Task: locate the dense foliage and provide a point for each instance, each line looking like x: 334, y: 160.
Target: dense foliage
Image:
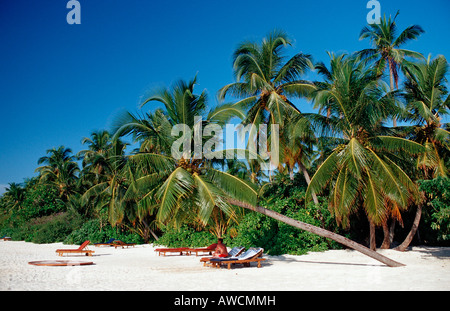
x: 437, y: 210
x: 341, y: 168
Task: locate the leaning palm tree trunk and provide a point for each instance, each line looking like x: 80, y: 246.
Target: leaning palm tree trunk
x: 402, y: 247
x: 308, y: 181
x: 319, y: 231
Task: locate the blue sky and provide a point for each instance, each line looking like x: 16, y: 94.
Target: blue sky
x: 60, y: 82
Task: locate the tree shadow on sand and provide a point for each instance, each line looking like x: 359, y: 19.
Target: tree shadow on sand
x: 282, y: 258
x: 437, y: 252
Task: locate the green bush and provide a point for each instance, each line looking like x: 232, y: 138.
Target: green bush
x: 55, y: 228
x: 46, y: 229
x: 94, y: 232
x: 436, y: 212
x: 41, y: 200
x: 185, y: 236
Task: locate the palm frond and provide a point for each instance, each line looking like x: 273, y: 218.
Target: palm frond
x: 233, y: 186
x: 179, y: 185
x: 209, y: 197
x: 324, y: 174
x: 410, y: 33
x: 396, y: 144
x: 157, y: 162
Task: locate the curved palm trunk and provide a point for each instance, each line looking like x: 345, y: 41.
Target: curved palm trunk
x: 150, y: 230
x: 308, y: 181
x: 402, y: 247
x: 291, y: 173
x: 373, y: 243
x: 391, y: 78
x: 319, y: 231
x: 386, y: 241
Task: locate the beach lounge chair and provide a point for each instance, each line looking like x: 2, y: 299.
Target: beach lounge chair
x: 234, y: 252
x: 81, y: 250
x: 5, y: 238
x: 172, y: 250
x: 251, y: 255
x: 118, y: 243
x: 107, y: 243
x: 186, y: 250
x: 203, y: 250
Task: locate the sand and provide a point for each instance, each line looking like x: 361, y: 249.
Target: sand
x: 140, y: 268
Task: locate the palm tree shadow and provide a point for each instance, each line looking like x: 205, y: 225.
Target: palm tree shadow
x: 292, y: 260
x: 437, y: 252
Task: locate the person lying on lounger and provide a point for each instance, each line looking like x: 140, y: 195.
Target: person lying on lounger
x: 221, y: 249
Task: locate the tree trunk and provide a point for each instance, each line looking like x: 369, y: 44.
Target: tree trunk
x: 373, y: 242
x: 308, y: 181
x: 391, y: 78
x: 291, y: 173
x: 319, y: 231
x: 402, y: 247
x: 150, y: 230
x: 154, y: 234
x: 386, y: 241
x: 392, y: 231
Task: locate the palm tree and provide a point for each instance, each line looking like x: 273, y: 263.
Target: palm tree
x: 363, y: 170
x: 15, y: 195
x: 174, y: 190
x: 103, y: 175
x: 98, y: 146
x: 267, y: 84
x: 425, y: 93
x: 268, y: 81
x: 60, y: 170
x: 386, y: 47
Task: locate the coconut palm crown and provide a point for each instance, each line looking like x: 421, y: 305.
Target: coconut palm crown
x: 362, y: 170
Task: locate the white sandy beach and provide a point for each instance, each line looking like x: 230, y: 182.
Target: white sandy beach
x: 140, y: 268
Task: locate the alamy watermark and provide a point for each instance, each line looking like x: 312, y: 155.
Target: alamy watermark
x: 242, y: 142
x: 374, y: 15
x: 74, y: 15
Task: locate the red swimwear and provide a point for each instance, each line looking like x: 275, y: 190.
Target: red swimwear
x: 222, y: 255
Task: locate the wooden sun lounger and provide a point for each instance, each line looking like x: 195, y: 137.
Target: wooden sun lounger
x: 107, y: 243
x: 172, y: 250
x: 5, y: 238
x: 118, y: 243
x: 252, y: 255
x: 82, y: 250
x: 186, y: 250
x: 234, y: 252
x: 209, y: 250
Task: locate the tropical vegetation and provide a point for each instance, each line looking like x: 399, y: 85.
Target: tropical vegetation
x: 344, y: 176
